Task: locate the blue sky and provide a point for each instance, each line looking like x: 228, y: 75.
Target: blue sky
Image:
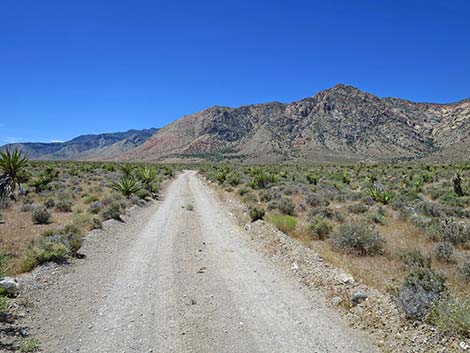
x: 74, y: 67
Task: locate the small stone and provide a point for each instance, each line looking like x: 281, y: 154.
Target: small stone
x: 10, y: 285
x: 336, y: 300
x: 463, y: 346
x: 358, y: 297
x: 345, y: 278
x: 294, y: 266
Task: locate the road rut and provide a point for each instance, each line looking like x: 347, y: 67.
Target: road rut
x: 181, y: 280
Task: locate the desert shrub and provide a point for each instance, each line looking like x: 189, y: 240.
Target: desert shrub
x: 358, y: 238
x: 90, y: 198
x: 454, y: 232
x: 284, y: 223
x: 27, y: 207
x: 29, y: 345
x: 358, y: 208
x: 243, y: 191
x: 261, y: 180
x: 95, y: 223
x: 43, y: 250
x: 433, y: 230
x: 430, y: 209
x: 40, y: 215
x: 377, y: 218
x: 421, y: 288
x: 286, y: 206
x: 233, y: 178
x: 413, y: 259
x: 320, y: 227
x: 250, y: 197
x: 325, y: 212
x: 312, y: 178
x: 64, y: 205
x: 49, y: 203
x: 464, y: 270
x: 95, y: 207
x: 112, y: 211
x: 266, y: 196
x: 314, y: 200
x: 443, y: 251
x: 256, y: 213
x: 451, y: 314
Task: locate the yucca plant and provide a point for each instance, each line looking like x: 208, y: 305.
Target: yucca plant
x: 12, y: 171
x: 380, y: 195
x: 148, y: 177
x: 127, y: 186
x: 147, y: 174
x: 127, y: 169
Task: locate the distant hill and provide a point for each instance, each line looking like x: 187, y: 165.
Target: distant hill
x: 86, y: 147
x: 342, y: 123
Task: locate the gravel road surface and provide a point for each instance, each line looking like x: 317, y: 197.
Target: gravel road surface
x: 177, y: 279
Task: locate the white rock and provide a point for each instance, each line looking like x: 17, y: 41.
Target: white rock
x: 345, y: 278
x: 10, y: 285
x: 463, y: 346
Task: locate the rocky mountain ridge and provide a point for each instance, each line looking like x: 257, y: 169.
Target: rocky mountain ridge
x: 342, y: 123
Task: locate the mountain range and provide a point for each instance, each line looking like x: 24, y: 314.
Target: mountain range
x: 86, y: 147
x: 340, y: 124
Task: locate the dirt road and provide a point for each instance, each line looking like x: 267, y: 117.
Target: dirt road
x: 180, y: 280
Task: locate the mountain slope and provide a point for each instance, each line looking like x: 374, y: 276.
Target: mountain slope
x: 86, y: 147
x: 337, y: 124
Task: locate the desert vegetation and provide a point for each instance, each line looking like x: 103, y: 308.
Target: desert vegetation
x: 401, y: 228
x: 47, y: 207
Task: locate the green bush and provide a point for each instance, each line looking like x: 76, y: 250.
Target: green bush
x: 43, y: 251
x: 90, y: 198
x: 414, y: 259
x: 376, y: 217
x: 286, y: 206
x: 112, y: 211
x: 49, y: 203
x: 320, y: 227
x: 261, y: 180
x: 358, y: 238
x: 443, y: 251
x: 421, y: 288
x: 284, y: 223
x: 64, y: 205
x: 358, y: 208
x: 451, y: 314
x: 41, y: 215
x: 464, y: 270
x: 256, y: 213
x: 456, y: 233
x: 233, y: 178
x: 53, y: 245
